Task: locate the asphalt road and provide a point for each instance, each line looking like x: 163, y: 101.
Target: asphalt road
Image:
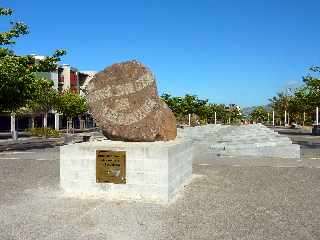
x: 229, y: 198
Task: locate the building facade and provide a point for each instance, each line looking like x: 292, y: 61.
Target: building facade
x: 64, y: 78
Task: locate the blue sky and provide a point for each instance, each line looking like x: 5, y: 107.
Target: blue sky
x: 227, y: 51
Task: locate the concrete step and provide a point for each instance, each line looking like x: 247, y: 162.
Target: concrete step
x: 251, y: 140
x: 289, y: 151
x: 247, y: 146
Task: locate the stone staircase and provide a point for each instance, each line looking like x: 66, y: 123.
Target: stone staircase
x: 243, y: 140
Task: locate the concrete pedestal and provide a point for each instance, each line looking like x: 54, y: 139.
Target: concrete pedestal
x: 154, y: 171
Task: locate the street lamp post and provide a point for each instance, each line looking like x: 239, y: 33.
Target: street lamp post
x: 285, y: 117
x: 215, y: 117
x: 273, y: 118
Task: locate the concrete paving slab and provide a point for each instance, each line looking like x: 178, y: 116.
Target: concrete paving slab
x: 232, y: 198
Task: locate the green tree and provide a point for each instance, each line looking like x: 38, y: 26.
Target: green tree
x: 18, y: 81
x: 304, y: 110
x: 280, y: 103
x: 16, y: 30
x: 191, y: 104
x: 259, y: 114
x: 72, y: 105
x: 174, y: 103
x: 222, y: 112
x: 302, y: 103
x: 46, y: 98
x: 312, y: 87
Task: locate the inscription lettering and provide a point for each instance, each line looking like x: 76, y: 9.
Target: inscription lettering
x: 119, y: 90
x: 110, y: 166
x: 119, y: 118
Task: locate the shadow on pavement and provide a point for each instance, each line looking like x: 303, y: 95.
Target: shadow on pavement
x: 296, y: 133
x: 29, y: 147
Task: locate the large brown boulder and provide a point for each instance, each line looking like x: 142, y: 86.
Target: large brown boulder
x: 123, y: 99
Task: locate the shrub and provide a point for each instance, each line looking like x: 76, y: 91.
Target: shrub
x: 44, y: 132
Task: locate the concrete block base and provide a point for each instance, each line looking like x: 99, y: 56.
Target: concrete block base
x: 154, y: 171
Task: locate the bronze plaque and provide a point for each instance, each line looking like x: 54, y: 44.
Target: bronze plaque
x: 110, y: 166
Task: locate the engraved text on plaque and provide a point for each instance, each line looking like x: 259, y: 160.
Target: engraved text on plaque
x: 110, y: 166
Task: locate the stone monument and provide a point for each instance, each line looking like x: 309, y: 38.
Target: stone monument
x: 123, y: 99
x: 141, y: 158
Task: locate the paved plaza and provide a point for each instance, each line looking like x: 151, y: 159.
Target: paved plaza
x: 159, y: 120
x: 228, y: 198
